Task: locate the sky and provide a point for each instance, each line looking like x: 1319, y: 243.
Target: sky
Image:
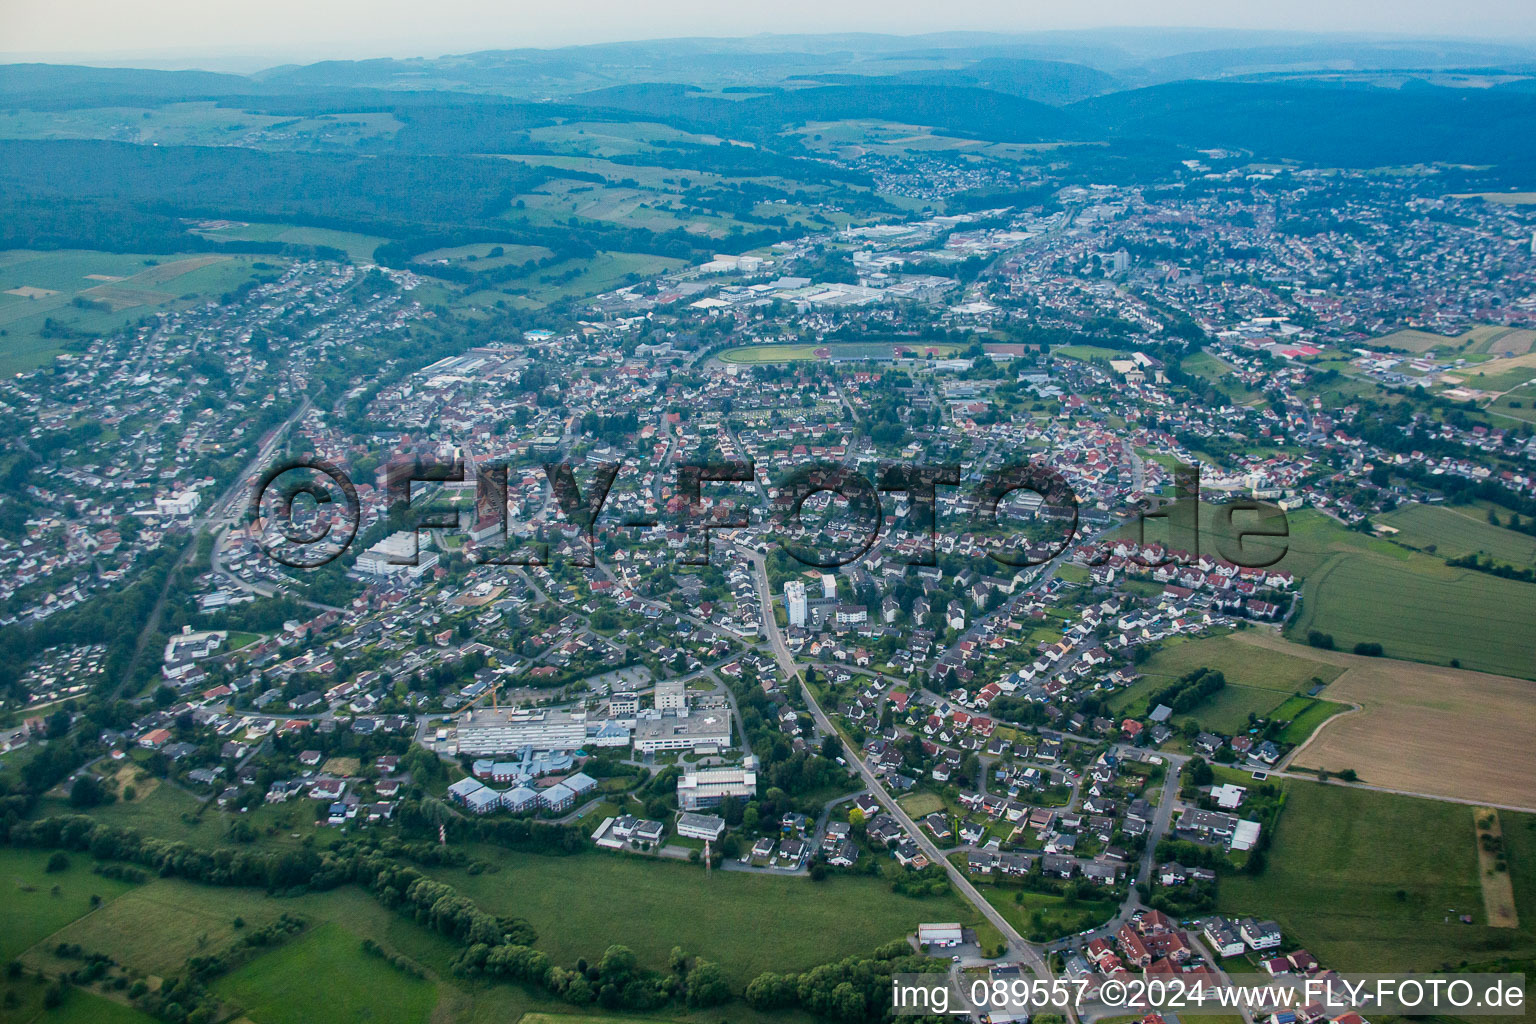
x: 205, y: 33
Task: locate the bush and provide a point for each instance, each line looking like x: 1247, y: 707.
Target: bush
x: 86, y: 792
x: 1369, y: 650
x: 57, y: 862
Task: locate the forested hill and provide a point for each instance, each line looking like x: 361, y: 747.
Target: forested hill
x: 962, y: 110
x: 1326, y: 124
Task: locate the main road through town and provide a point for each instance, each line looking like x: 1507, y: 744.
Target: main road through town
x: 1018, y: 947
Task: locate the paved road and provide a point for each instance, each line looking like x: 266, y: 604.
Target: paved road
x: 1018, y: 947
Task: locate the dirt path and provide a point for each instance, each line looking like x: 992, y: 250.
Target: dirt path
x: 1498, y: 888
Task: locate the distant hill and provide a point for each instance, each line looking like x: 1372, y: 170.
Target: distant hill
x: 1330, y: 125
x: 961, y: 110
x: 1041, y: 81
x: 48, y: 86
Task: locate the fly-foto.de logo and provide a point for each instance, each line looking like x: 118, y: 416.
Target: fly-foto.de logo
x: 309, y: 534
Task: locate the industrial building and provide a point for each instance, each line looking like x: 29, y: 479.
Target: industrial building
x: 707, y: 731
x: 490, y: 731
x: 706, y: 787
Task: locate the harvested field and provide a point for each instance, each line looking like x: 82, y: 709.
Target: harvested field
x: 168, y: 271
x: 1424, y: 729
x: 28, y: 292
x: 125, y: 298
x: 1493, y: 870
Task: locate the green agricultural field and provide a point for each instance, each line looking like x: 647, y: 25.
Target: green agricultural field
x: 1361, y: 588
x: 358, y: 246
x: 39, y: 316
x: 32, y: 911
x: 324, y: 977
x: 1421, y: 610
x: 1454, y: 532
x: 1376, y: 882
x: 748, y: 923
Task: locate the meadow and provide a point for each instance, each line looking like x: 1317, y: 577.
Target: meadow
x: 1375, y: 882
x: 325, y: 977
x: 1042, y: 917
x: 1486, y: 339
x: 32, y: 911
x: 746, y: 922
x: 356, y: 245
x: 326, y: 967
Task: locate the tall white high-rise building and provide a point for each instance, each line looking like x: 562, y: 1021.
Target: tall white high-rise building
x: 828, y: 586
x: 794, y: 598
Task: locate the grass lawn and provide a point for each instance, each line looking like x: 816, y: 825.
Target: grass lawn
x: 748, y: 923
x: 324, y: 977
x: 1258, y: 680
x: 1305, y: 714
x: 1375, y: 882
x: 920, y: 804
x: 238, y: 640
x: 1044, y: 916
x: 32, y: 912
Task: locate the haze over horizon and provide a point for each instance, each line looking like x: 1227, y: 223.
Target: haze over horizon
x: 178, y: 33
